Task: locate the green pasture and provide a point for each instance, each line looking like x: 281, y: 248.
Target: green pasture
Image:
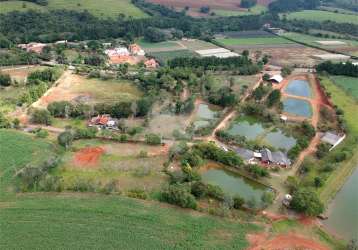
x: 348, y: 84
x: 320, y: 16
x: 312, y: 40
x: 256, y: 10
x: 253, y: 41
x: 103, y: 9
x: 165, y: 56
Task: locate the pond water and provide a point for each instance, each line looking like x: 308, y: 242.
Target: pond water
x: 297, y: 107
x: 299, y: 88
x: 205, y: 114
x: 343, y: 211
x: 233, y: 184
x: 251, y: 130
x: 279, y: 140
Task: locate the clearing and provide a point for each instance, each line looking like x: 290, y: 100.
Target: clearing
x: 72, y: 87
x: 102, y: 9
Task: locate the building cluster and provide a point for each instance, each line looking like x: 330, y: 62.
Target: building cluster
x: 264, y: 157
x: 103, y: 122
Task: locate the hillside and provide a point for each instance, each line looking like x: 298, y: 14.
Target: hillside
x: 104, y: 9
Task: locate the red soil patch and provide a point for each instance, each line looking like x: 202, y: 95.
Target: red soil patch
x: 307, y: 221
x: 284, y: 242
x: 88, y: 157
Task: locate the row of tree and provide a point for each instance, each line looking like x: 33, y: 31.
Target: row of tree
x: 346, y: 68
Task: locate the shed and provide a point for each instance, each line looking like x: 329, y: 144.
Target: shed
x: 279, y: 158
x: 246, y: 154
x: 266, y: 156
x: 276, y: 78
x: 333, y: 139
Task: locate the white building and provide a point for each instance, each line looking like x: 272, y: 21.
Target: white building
x: 119, y: 51
x: 333, y: 139
x: 276, y: 78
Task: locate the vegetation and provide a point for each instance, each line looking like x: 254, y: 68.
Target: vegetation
x: 347, y: 69
x: 321, y: 16
x: 293, y: 5
x: 306, y: 201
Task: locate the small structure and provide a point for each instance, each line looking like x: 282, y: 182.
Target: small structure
x: 219, y: 53
x: 287, y: 200
x: 247, y: 155
x: 283, y: 118
x: 61, y: 42
x: 103, y: 122
x: 33, y: 47
x: 333, y: 139
x: 274, y: 158
x: 276, y: 79
x: 331, y: 42
x: 266, y: 156
x: 151, y: 64
x: 136, y: 50
x: 106, y: 45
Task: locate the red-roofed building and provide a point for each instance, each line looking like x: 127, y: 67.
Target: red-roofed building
x: 136, y: 50
x: 33, y: 47
x: 151, y: 64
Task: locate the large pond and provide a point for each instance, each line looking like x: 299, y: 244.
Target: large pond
x: 244, y: 127
x: 204, y: 115
x: 232, y: 183
x: 299, y: 88
x: 297, y: 107
x: 279, y: 140
x: 343, y: 211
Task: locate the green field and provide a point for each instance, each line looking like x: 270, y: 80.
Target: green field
x: 165, y: 56
x: 18, y: 149
x: 349, y: 84
x: 104, y: 8
x: 253, y: 41
x: 71, y: 221
x: 256, y: 10
x: 320, y: 16
x: 312, y: 40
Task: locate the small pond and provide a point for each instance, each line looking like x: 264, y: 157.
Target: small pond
x: 297, y: 107
x: 232, y: 183
x: 299, y: 88
x: 343, y: 211
x: 205, y: 114
x: 250, y: 129
x: 279, y: 140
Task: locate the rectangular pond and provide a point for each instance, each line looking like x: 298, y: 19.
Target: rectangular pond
x: 232, y: 183
x: 246, y: 127
x: 279, y: 140
x: 343, y: 210
x: 297, y: 107
x: 205, y: 115
x: 298, y: 88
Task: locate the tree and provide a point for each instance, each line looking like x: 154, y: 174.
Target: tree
x: 41, y: 116
x: 266, y: 77
x: 306, y: 201
x: 205, y: 9
x: 274, y: 98
x: 247, y: 3
x: 65, y: 139
x: 4, y: 122
x: 286, y: 71
x: 178, y: 194
x: 5, y: 80
x: 238, y: 202
x: 154, y: 35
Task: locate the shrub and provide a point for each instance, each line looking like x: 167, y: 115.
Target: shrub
x: 41, y: 116
x: 137, y: 193
x: 178, y: 194
x: 85, y: 133
x: 215, y: 192
x: 306, y: 201
x: 110, y: 187
x: 267, y: 198
x: 152, y: 139
x: 5, y: 80
x: 65, y: 139
x: 238, y: 202
x: 199, y: 189
x: 42, y: 133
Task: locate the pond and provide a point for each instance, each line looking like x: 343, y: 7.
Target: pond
x: 248, y: 128
x: 205, y: 114
x: 232, y: 183
x: 279, y: 140
x: 343, y: 211
x: 297, y: 107
x: 299, y: 88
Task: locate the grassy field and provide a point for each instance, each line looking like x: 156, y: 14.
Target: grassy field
x: 253, y: 41
x: 320, y: 16
x: 350, y: 107
x: 312, y: 40
x: 349, y: 84
x: 165, y: 56
x: 72, y: 221
x: 18, y: 149
x: 257, y: 9
x: 105, y: 8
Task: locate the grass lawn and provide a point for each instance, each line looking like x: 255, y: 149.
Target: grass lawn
x: 320, y: 16
x: 159, y: 47
x: 18, y: 149
x: 349, y: 84
x: 70, y: 221
x: 105, y: 8
x: 252, y: 41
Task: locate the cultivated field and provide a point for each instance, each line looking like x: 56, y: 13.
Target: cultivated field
x: 16, y: 151
x: 75, y: 221
x: 318, y: 15
x: 349, y: 47
x: 105, y: 8
x: 220, y: 8
x: 348, y: 84
x: 233, y: 42
x: 73, y: 87
x: 165, y: 56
